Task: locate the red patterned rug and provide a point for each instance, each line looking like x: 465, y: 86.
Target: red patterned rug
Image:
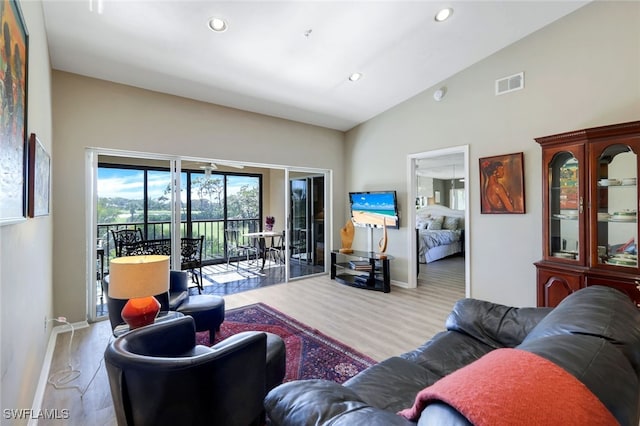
x: 310, y: 354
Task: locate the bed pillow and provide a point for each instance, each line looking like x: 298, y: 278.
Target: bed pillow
x: 422, y: 223
x: 450, y: 223
x: 436, y: 223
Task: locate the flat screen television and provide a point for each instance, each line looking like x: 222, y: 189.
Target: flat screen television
x: 369, y: 209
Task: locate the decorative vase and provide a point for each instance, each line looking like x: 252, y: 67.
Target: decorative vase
x: 268, y: 227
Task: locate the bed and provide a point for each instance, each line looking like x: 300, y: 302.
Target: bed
x: 440, y: 232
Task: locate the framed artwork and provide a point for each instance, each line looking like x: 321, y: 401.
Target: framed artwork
x: 39, y: 178
x: 13, y: 112
x: 502, y: 184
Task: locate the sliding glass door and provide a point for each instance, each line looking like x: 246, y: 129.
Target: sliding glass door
x: 131, y: 200
x: 164, y: 197
x: 306, y: 228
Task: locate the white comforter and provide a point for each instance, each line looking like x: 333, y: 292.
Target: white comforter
x: 429, y: 239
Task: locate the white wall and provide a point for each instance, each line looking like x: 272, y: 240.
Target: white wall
x: 96, y: 113
x: 25, y: 248
x: 581, y: 71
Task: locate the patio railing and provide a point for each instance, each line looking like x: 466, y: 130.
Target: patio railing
x: 213, y: 250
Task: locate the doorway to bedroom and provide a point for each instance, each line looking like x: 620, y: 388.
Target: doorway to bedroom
x: 438, y: 191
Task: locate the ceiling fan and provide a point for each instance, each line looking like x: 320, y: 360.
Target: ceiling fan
x: 213, y: 166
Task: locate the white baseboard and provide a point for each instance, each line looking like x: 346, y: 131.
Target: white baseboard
x: 400, y: 284
x: 46, y: 364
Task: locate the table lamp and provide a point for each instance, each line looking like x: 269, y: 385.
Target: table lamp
x: 139, y: 278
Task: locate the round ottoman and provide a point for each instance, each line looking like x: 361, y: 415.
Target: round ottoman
x: 207, y: 312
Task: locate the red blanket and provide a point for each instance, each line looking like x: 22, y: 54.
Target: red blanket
x: 514, y: 387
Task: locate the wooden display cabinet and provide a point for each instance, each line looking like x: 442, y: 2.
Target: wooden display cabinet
x: 590, y: 204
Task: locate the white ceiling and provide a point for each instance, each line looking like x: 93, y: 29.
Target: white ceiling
x: 264, y: 63
x: 448, y: 166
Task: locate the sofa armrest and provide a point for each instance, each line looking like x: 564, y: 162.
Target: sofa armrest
x: 319, y: 402
x: 493, y: 324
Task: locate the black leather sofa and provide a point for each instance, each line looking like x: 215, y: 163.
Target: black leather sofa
x: 594, y: 335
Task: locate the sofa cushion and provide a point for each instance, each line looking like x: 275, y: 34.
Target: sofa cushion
x: 597, y: 311
x: 493, y: 324
x: 447, y: 351
x: 401, y: 381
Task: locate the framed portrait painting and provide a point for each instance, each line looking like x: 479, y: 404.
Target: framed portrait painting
x: 39, y: 178
x: 502, y: 184
x: 13, y: 112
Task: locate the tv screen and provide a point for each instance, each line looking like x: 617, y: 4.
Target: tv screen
x: 371, y: 208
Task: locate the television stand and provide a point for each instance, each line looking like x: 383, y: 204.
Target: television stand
x: 361, y: 269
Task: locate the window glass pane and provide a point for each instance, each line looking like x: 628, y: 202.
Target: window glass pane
x: 456, y: 199
x: 159, y: 203
x: 243, y: 197
x: 159, y: 196
x: 207, y: 196
x: 120, y: 195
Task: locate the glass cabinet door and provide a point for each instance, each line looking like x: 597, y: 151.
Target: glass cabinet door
x: 566, y: 207
x: 617, y: 201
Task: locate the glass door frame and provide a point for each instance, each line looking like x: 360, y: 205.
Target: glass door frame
x: 175, y: 162
x: 91, y: 176
x: 328, y: 213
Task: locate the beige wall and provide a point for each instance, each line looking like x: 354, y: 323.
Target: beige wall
x: 581, y: 71
x: 25, y: 249
x: 96, y: 113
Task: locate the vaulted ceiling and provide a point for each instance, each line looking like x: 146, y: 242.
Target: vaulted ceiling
x: 288, y: 59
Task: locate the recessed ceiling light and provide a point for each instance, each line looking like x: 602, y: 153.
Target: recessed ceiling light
x: 355, y: 76
x: 444, y: 14
x: 218, y: 25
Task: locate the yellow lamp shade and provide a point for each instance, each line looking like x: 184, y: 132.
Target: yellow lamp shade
x: 138, y: 276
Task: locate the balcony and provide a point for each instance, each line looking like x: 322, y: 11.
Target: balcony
x: 213, y: 250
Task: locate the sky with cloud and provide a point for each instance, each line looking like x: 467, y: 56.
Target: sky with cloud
x: 128, y: 183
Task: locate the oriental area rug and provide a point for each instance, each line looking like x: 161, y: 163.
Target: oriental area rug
x: 310, y: 354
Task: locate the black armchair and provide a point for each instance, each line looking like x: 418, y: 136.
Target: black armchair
x: 159, y: 376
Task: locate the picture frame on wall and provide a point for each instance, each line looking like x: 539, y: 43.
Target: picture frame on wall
x: 14, y: 42
x: 502, y: 184
x: 39, y: 178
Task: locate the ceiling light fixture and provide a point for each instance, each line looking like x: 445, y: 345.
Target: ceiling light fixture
x: 218, y: 25
x: 444, y: 14
x: 355, y: 76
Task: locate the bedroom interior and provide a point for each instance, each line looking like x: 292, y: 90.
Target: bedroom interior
x: 440, y: 192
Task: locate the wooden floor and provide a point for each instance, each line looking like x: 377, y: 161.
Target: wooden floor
x: 377, y: 324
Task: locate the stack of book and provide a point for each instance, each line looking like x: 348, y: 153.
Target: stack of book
x: 360, y: 265
x: 361, y: 279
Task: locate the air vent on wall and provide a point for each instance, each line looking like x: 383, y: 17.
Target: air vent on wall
x: 510, y: 84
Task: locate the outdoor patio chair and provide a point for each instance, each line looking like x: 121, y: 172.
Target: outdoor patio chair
x: 235, y: 248
x: 191, y: 258
x: 125, y: 236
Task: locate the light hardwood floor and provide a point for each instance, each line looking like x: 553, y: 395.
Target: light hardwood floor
x: 377, y: 324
